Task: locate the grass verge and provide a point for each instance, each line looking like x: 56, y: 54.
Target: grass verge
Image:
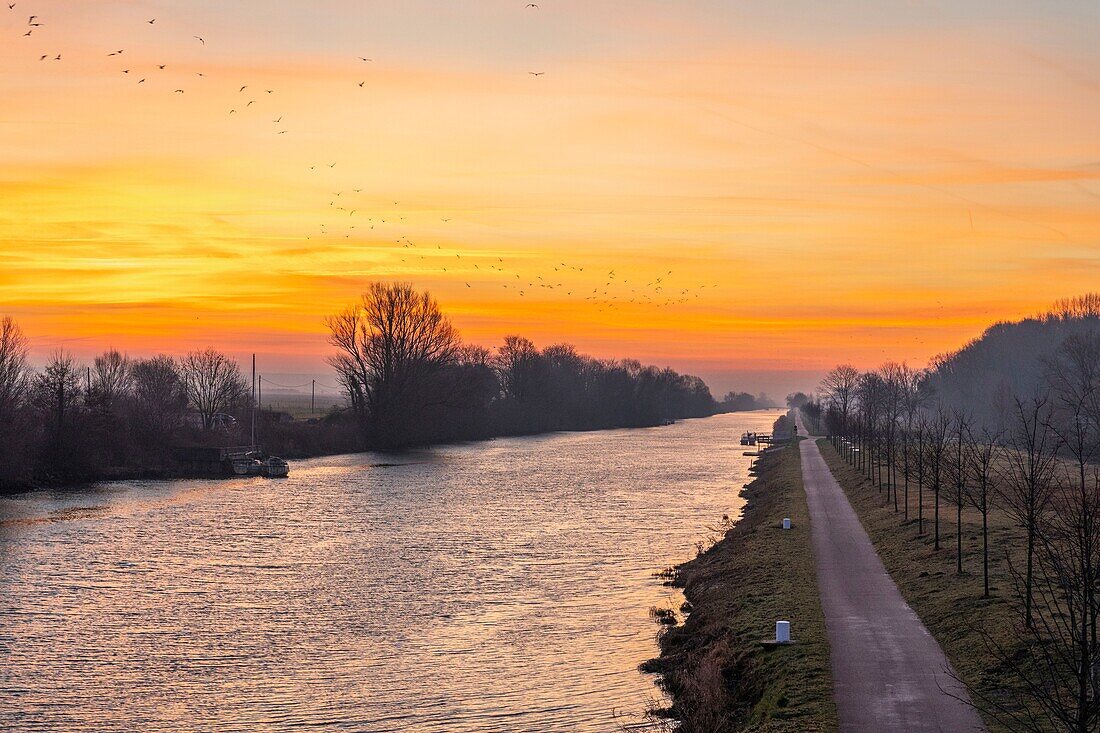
x: 719, y: 675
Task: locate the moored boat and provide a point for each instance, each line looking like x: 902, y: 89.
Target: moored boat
x: 275, y: 467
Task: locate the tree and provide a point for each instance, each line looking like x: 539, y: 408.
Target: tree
x: 913, y: 399
x: 958, y: 471
x: 982, y: 454
x: 111, y: 377
x: 795, y: 400
x: 839, y: 388
x: 56, y: 390
x: 159, y: 401
x: 390, y: 346
x: 937, y: 445
x: 14, y: 375
x: 1058, y: 667
x: 1027, y: 478
x: 213, y: 383
x: 14, y: 383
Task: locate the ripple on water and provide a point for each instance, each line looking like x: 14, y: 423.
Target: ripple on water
x: 500, y: 586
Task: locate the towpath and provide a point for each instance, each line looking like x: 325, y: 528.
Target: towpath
x: 889, y: 673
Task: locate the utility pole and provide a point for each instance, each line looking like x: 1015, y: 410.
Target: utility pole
x: 312, y: 395
x: 253, y: 400
x: 261, y: 393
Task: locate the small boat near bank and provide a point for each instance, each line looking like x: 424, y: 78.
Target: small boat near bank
x: 257, y: 464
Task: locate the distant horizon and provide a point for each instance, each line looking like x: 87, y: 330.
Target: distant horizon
x: 775, y: 384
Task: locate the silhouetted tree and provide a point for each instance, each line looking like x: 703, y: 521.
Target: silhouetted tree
x: 391, y: 345
x: 14, y: 382
x: 159, y: 402
x: 213, y: 383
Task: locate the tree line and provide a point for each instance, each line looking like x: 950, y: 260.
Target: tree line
x: 407, y: 377
x: 1032, y: 454
x: 410, y: 379
x: 114, y: 416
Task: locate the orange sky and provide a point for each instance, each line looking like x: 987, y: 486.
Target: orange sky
x: 824, y: 183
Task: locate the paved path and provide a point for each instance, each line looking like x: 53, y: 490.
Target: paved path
x: 889, y: 673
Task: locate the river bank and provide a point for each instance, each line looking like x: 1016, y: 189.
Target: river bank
x: 334, y: 435
x: 720, y: 677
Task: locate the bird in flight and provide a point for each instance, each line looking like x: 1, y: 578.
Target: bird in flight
x: 116, y: 53
x: 536, y: 73
x: 242, y: 88
x: 150, y: 22
x: 365, y: 59
x: 362, y: 83
x: 11, y: 6
x: 178, y: 91
x: 532, y: 5
x: 200, y: 39
x: 277, y: 121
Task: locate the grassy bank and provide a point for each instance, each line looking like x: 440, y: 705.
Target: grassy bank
x: 720, y: 676
x: 949, y: 604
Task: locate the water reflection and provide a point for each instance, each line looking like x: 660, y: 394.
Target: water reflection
x: 500, y: 586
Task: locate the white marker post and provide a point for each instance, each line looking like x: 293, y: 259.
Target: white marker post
x: 782, y: 632
x: 786, y: 522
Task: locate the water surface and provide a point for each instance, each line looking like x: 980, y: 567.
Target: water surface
x: 498, y: 586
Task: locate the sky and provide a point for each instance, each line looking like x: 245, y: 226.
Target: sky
x: 811, y: 182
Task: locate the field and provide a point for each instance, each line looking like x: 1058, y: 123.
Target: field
x: 298, y: 405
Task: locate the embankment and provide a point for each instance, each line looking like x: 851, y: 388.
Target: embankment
x: 720, y: 676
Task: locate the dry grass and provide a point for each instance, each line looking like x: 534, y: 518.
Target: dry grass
x: 720, y: 676
x: 950, y: 605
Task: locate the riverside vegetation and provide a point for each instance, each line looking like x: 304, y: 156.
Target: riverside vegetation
x: 720, y: 676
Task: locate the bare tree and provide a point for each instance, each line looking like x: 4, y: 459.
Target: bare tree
x: 958, y: 472
x: 1059, y: 667
x: 159, y: 397
x: 937, y: 447
x: 111, y: 376
x: 895, y: 380
x: 213, y: 383
x: 55, y: 390
x: 839, y: 387
x: 983, y: 450
x: 390, y: 345
x: 14, y: 375
x: 913, y: 399
x: 920, y: 457
x: 14, y: 382
x: 1026, y: 480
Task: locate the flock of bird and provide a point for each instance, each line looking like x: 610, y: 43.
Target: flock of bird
x: 606, y: 291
